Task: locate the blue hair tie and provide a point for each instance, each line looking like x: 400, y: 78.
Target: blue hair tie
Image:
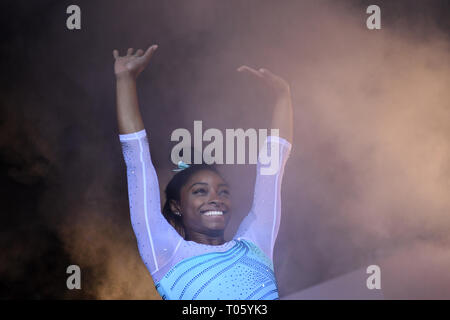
x: 181, y: 166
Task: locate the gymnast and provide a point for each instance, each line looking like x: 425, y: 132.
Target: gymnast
x: 183, y: 244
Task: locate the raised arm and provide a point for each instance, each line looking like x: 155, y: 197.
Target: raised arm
x: 157, y: 239
x: 282, y: 115
x: 262, y: 223
x: 127, y: 69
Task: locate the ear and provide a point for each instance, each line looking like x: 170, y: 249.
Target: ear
x: 174, y: 206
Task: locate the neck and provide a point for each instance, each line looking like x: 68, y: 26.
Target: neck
x: 209, y: 239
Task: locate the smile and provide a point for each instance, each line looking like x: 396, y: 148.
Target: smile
x: 213, y: 213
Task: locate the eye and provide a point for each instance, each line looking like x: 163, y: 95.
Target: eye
x: 225, y: 192
x: 200, y: 191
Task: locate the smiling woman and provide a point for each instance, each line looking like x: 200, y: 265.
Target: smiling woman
x: 186, y: 193
x: 183, y: 245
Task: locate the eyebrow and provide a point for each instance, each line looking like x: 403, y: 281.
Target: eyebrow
x: 204, y: 183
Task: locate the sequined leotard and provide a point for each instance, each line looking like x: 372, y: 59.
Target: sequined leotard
x: 239, y: 269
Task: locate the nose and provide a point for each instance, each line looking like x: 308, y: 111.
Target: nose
x: 215, y: 202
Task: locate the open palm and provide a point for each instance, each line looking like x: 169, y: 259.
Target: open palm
x: 132, y: 64
x: 276, y: 83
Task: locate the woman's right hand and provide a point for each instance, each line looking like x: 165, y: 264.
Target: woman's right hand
x: 132, y: 65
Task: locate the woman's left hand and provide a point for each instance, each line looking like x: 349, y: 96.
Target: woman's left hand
x: 279, y: 85
x: 283, y: 113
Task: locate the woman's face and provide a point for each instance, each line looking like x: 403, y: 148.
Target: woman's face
x: 205, y: 203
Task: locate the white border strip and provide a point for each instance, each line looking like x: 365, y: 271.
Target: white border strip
x: 132, y: 136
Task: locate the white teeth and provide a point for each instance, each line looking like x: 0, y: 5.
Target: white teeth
x: 213, y: 213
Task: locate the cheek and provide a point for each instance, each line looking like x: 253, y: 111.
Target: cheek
x: 191, y: 204
x: 227, y: 202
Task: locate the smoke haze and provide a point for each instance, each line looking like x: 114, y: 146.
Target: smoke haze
x: 367, y: 181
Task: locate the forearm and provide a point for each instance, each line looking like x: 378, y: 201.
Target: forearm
x: 128, y: 114
x: 157, y: 239
x: 282, y: 118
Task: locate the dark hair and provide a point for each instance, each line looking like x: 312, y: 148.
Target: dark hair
x: 173, y: 192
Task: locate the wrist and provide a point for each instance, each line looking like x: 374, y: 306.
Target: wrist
x: 283, y: 101
x: 125, y: 77
x: 283, y: 94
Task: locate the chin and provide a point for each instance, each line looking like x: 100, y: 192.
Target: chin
x: 216, y: 228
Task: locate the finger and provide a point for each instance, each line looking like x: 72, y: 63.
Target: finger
x: 130, y: 51
x: 139, y: 53
x: 115, y: 54
x: 150, y: 51
x: 270, y: 76
x: 250, y: 71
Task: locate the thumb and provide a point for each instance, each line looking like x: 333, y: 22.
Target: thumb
x: 150, y: 51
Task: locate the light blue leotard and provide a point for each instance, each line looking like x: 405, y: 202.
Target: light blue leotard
x: 242, y: 272
x: 239, y: 269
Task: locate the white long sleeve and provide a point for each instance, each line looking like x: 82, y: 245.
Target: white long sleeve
x: 157, y: 239
x: 262, y: 223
